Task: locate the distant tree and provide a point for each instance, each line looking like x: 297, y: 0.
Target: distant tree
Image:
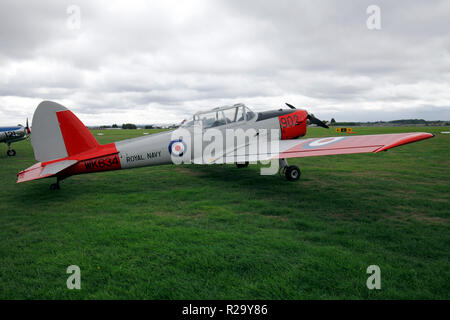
x: 332, y: 122
x: 149, y: 127
x: 115, y: 126
x: 409, y: 121
x: 129, y: 126
x: 348, y: 123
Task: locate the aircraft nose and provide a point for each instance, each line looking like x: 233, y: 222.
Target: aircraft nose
x: 293, y: 125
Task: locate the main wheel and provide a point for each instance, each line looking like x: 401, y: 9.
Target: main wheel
x: 242, y: 165
x: 11, y: 153
x: 292, y: 173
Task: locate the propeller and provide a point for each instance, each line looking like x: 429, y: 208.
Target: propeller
x: 316, y: 121
x: 27, y: 128
x: 312, y: 119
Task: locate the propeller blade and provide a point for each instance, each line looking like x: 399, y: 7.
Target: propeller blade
x: 290, y: 106
x: 316, y: 121
x: 311, y: 118
x: 28, y: 127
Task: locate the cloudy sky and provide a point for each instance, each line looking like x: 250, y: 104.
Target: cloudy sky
x: 160, y: 61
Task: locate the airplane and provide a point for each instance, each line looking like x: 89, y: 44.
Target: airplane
x: 9, y: 135
x: 63, y: 146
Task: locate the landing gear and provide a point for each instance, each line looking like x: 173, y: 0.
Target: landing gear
x: 292, y: 173
x: 242, y: 165
x: 55, y: 186
x: 10, y: 152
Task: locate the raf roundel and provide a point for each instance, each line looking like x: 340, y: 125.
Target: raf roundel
x: 317, y: 143
x: 177, y: 148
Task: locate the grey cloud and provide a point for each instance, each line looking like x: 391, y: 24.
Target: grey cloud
x: 166, y: 59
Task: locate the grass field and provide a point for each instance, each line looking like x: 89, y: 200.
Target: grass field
x: 218, y: 232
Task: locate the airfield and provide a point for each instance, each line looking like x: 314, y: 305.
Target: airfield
x: 219, y: 232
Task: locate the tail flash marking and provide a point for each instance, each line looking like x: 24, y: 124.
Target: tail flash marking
x: 77, y: 138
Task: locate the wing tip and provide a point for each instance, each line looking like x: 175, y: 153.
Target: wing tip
x: 417, y: 136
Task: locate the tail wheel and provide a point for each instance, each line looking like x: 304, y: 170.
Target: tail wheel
x: 11, y: 153
x: 292, y: 173
x: 242, y: 165
x: 55, y: 186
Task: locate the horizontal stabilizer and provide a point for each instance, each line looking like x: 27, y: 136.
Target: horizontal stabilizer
x: 40, y: 171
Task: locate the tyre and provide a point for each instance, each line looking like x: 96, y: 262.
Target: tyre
x: 242, y: 165
x: 54, y: 186
x: 292, y: 173
x: 11, y: 153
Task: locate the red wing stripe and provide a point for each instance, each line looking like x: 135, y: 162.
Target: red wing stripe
x: 405, y: 140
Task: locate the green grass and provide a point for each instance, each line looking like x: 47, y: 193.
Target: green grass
x: 218, y: 232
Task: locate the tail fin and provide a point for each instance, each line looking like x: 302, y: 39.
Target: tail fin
x: 58, y: 133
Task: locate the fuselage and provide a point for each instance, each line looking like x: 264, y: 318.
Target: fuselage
x: 12, y: 134
x: 163, y: 147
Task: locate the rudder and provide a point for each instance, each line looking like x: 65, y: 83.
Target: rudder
x: 58, y: 133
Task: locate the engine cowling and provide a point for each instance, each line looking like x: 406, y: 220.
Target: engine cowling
x: 293, y: 125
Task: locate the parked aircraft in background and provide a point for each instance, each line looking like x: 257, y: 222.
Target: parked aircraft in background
x: 9, y: 135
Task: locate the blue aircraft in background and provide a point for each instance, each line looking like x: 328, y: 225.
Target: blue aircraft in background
x: 9, y: 135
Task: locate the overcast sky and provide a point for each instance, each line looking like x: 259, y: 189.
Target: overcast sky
x: 161, y: 61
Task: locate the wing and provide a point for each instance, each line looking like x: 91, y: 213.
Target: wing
x: 320, y: 147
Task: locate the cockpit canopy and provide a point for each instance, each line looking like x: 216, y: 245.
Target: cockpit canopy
x: 221, y: 116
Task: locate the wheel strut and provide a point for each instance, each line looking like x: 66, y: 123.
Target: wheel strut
x: 10, y: 152
x: 56, y: 186
x: 283, y: 164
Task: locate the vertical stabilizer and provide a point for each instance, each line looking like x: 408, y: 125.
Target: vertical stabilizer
x: 58, y: 133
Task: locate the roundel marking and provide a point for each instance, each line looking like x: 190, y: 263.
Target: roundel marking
x: 322, y: 142
x: 177, y: 148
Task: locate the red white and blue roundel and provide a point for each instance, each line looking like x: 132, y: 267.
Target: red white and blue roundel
x: 317, y: 143
x: 177, y: 148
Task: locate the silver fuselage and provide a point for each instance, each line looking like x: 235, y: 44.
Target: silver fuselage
x: 155, y: 149
x: 9, y: 135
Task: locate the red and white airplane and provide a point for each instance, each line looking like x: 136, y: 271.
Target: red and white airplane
x: 64, y: 147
